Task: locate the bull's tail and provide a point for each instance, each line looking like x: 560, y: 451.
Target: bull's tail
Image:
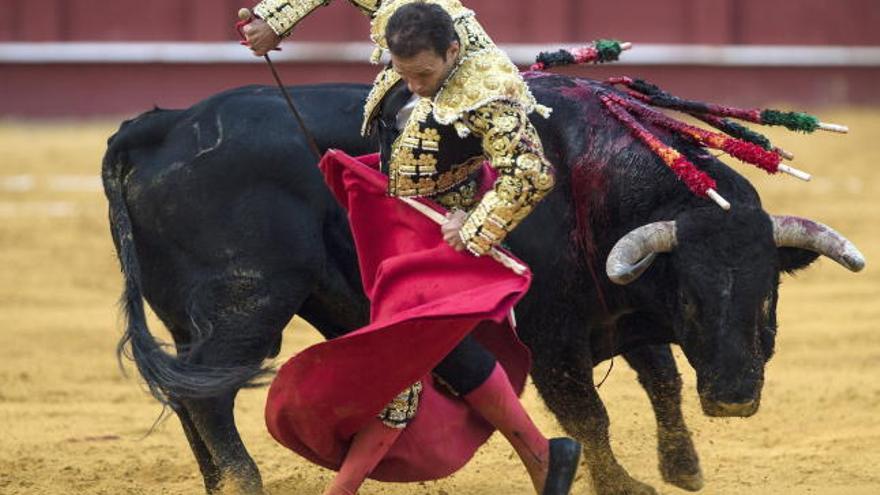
x: 168, y: 377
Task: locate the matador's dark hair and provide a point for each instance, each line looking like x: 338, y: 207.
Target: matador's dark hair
x: 420, y: 26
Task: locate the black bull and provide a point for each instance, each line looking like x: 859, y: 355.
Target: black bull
x: 223, y: 224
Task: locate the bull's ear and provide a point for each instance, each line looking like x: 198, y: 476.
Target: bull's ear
x: 794, y: 259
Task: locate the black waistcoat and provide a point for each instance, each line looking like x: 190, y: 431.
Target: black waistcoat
x: 438, y: 164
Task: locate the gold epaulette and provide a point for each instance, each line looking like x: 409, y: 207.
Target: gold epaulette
x: 283, y: 15
x: 479, y: 79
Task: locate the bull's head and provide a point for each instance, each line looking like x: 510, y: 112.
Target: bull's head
x: 724, y: 288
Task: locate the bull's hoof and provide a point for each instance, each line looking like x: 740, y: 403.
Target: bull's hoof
x: 718, y: 409
x: 236, y: 484
x: 689, y: 482
x: 679, y: 463
x: 619, y: 482
x: 628, y: 487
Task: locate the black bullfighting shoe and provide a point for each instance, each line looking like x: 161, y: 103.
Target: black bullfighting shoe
x: 565, y: 453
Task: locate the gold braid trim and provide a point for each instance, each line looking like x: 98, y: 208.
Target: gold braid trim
x: 368, y: 7
x: 417, y: 185
x: 525, y: 175
x: 462, y: 197
x: 283, y: 15
x: 402, y: 409
x: 383, y: 83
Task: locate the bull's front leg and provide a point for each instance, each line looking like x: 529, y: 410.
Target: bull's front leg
x: 567, y: 388
x: 658, y: 374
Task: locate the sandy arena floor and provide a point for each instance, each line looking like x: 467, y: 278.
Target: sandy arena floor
x: 72, y: 423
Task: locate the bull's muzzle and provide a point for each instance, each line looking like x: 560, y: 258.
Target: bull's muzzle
x: 730, y: 395
x: 729, y: 409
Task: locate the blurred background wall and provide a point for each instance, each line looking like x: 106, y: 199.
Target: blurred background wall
x: 111, y: 57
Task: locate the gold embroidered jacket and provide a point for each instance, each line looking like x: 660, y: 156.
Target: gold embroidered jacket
x: 430, y: 159
x: 484, y: 99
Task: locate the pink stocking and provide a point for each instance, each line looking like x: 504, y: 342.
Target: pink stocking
x: 496, y: 401
x: 368, y: 447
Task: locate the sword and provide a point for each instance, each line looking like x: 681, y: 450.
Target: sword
x: 246, y: 18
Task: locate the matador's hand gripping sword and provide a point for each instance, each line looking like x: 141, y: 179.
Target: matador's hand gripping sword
x: 246, y: 17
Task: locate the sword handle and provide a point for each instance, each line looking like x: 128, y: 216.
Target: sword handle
x: 245, y: 17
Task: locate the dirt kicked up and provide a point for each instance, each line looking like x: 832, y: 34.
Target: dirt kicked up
x: 72, y: 423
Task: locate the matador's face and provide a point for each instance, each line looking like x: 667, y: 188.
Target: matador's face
x: 425, y: 72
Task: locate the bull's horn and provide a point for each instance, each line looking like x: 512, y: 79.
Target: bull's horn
x: 802, y: 233
x: 635, y: 252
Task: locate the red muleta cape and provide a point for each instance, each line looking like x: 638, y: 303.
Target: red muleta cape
x: 425, y: 298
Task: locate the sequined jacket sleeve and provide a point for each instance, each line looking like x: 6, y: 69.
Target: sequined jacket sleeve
x: 283, y: 15
x: 525, y: 176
